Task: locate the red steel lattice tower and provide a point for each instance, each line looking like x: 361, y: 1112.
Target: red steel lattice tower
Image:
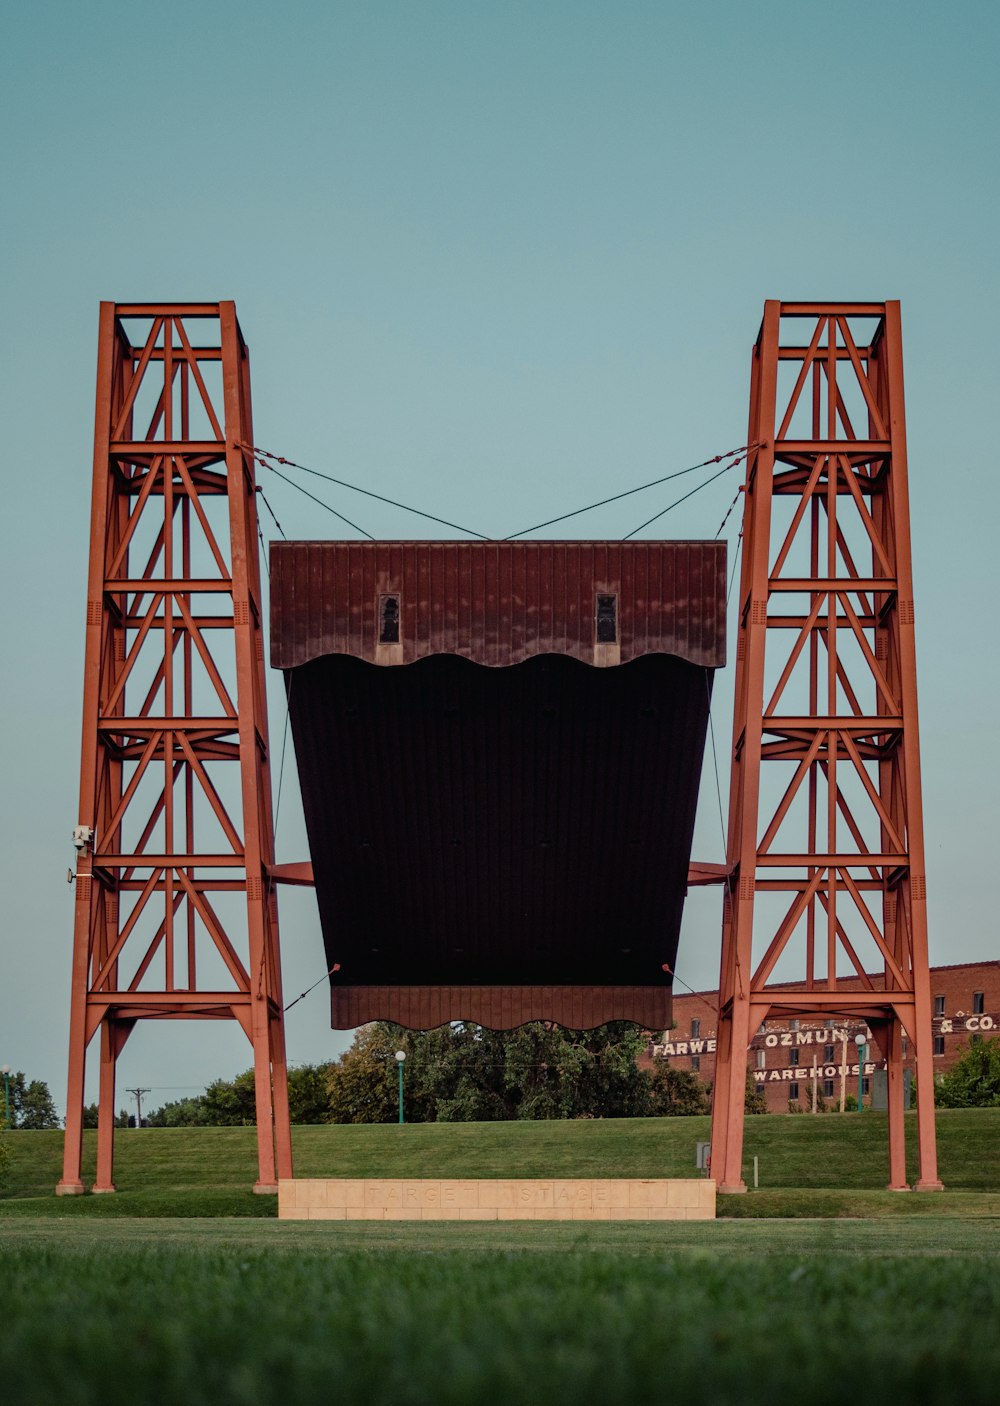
x: 175, y: 914
x: 826, y: 840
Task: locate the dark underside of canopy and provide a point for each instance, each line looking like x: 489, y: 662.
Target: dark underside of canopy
x: 507, y: 843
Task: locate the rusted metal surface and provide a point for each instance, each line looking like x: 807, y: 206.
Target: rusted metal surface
x: 501, y: 1007
x: 300, y: 874
x: 826, y: 619
x: 498, y: 603
x: 173, y: 524
x: 499, y: 844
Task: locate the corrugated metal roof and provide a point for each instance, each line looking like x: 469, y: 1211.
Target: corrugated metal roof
x: 497, y: 844
x: 501, y: 1007
x: 497, y: 602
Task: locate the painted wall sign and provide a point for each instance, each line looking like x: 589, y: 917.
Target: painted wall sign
x: 824, y: 1035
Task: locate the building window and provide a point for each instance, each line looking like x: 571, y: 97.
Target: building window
x: 793, y: 1056
x: 939, y: 1005
x: 793, y: 1025
x: 938, y: 1044
x: 696, y: 1062
x: 793, y: 1093
x: 761, y: 1058
x: 978, y: 1005
x: 763, y: 1027
x: 828, y: 1088
x: 388, y: 619
x: 695, y: 1029
x: 976, y: 1040
x: 904, y: 1046
x: 829, y: 1053
x: 865, y: 1085
x: 607, y: 619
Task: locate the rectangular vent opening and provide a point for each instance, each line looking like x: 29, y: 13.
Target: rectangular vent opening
x: 388, y: 619
x: 607, y: 619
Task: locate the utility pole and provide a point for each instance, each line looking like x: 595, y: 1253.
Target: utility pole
x: 138, y: 1104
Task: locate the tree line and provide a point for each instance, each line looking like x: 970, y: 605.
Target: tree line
x: 463, y: 1073
x: 27, y: 1103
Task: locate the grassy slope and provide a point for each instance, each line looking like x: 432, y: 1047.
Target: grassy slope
x: 243, y: 1314
x: 837, y: 1165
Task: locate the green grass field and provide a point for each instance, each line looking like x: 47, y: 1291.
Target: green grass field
x: 131, y: 1299
x: 829, y: 1165
x: 244, y: 1313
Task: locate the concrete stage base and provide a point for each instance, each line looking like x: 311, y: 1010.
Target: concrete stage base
x: 341, y: 1198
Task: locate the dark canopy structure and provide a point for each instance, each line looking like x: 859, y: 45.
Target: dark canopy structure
x: 499, y: 747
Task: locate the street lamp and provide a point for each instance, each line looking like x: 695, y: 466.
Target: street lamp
x: 5, y: 1071
x: 862, y: 1043
x: 400, y: 1059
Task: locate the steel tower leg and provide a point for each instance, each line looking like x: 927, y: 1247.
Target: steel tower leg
x: 826, y: 689
x: 175, y: 912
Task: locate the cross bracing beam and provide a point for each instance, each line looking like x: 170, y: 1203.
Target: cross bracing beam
x: 175, y: 794
x: 825, y: 818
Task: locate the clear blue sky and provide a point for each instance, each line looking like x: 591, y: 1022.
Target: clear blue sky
x: 499, y: 260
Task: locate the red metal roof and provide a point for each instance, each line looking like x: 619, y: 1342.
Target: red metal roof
x: 497, y: 602
x: 508, y: 843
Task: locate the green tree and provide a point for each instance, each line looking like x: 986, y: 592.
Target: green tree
x: 231, y: 1103
x: 463, y: 1072
x: 974, y: 1080
x: 457, y: 1074
x: 31, y: 1103
x: 180, y: 1113
x: 228, y: 1103
x: 550, y: 1072
x: 754, y: 1099
x: 90, y: 1115
x: 676, y: 1092
x: 361, y: 1085
x: 308, y: 1098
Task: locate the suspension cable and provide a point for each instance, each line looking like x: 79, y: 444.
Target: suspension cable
x: 263, y: 456
x: 683, y: 499
x: 741, y: 450
x: 320, y: 501
x: 267, y: 505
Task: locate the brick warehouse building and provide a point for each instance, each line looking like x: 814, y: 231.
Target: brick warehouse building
x: 787, y: 1058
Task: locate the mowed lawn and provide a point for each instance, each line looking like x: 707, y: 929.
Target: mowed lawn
x: 102, y: 1304
x: 246, y: 1313
x: 833, y: 1165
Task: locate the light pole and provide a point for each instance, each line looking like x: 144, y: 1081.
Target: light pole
x: 5, y: 1071
x: 862, y: 1043
x: 400, y: 1061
